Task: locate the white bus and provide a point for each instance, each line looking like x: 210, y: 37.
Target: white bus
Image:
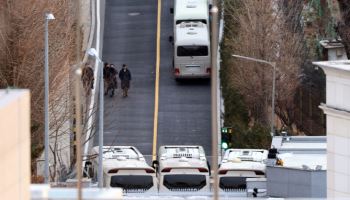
x: 191, y: 51
x: 191, y: 11
x: 238, y: 165
x: 124, y: 167
x: 183, y: 168
x: 191, y: 39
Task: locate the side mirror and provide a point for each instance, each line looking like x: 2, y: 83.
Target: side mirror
x: 171, y: 39
x: 171, y: 10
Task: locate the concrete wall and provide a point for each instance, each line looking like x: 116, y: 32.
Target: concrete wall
x: 287, y: 182
x: 338, y: 91
x: 337, y: 54
x: 14, y: 144
x: 337, y: 109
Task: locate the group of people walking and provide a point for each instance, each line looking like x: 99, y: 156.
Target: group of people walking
x: 110, y: 79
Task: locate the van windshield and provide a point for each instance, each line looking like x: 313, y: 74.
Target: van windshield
x: 192, y: 51
x: 191, y: 20
x: 132, y: 182
x: 179, y: 182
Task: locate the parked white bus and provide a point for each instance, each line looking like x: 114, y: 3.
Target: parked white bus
x: 191, y: 50
x: 124, y: 167
x: 238, y: 165
x: 183, y: 168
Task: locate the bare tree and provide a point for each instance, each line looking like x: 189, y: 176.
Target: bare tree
x: 344, y: 25
x: 266, y: 30
x: 22, y: 42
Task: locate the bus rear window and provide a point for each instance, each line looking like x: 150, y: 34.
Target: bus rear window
x: 132, y: 182
x: 192, y: 51
x: 184, y: 182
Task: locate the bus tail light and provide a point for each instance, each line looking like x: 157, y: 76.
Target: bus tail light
x: 223, y: 171
x: 113, y: 171
x: 208, y: 70
x: 259, y: 173
x: 202, y: 170
x: 166, y: 169
x: 177, y: 71
x: 149, y: 171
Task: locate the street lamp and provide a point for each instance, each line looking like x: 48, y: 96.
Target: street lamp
x: 93, y: 52
x: 273, y: 65
x: 48, y: 17
x: 214, y: 123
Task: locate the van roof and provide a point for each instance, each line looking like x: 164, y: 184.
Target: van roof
x: 192, y: 33
x: 182, y: 156
x: 244, y: 159
x: 121, y: 157
x: 191, y: 9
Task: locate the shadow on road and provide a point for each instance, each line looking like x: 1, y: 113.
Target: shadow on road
x: 186, y: 82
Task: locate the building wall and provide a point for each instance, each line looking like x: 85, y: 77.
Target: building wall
x: 337, y: 109
x: 338, y: 90
x: 14, y: 144
x: 337, y: 54
x: 295, y: 183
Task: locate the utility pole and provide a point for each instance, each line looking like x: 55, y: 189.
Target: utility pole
x: 48, y: 17
x: 100, y: 128
x: 214, y: 106
x: 78, y: 130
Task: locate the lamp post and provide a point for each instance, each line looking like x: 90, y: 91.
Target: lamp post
x: 78, y: 121
x: 93, y: 52
x: 214, y: 123
x: 273, y: 65
x: 48, y: 17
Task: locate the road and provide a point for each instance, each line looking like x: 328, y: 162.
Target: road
x: 184, y: 108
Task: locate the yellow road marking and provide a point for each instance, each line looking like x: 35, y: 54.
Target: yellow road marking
x: 156, y: 93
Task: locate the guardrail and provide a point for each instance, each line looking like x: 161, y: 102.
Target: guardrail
x: 97, y: 37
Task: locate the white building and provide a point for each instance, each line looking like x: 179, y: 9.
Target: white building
x: 14, y: 144
x: 303, y: 172
x: 337, y: 109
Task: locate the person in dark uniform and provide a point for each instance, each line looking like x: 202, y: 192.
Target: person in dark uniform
x: 110, y: 78
x: 114, y: 73
x: 125, y: 78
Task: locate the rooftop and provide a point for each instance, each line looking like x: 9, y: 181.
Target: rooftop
x: 182, y: 156
x: 338, y: 65
x: 302, y: 152
x: 244, y: 159
x: 192, y: 33
x: 191, y: 9
x: 121, y: 157
x: 330, y: 44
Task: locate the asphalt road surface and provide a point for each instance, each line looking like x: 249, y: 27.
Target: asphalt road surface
x: 184, y: 108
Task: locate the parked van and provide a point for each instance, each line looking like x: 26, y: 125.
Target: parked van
x: 124, y: 167
x: 183, y: 168
x: 238, y: 165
